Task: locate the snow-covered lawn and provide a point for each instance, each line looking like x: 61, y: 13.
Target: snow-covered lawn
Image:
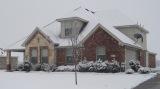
x: 65, y: 80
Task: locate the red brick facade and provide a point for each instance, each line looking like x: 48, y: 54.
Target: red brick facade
x: 102, y: 38
x: 98, y: 38
x: 60, y: 56
x: 152, y: 60
x: 142, y: 58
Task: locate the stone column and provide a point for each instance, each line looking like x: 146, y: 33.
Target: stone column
x: 8, y: 63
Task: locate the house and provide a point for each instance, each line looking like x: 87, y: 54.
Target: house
x: 101, y: 35
x: 3, y: 62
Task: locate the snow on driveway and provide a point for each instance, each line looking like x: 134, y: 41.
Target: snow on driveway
x: 65, y: 80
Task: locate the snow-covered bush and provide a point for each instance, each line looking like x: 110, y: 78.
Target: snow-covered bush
x: 19, y: 67
x: 83, y: 66
x: 99, y: 66
x: 53, y: 68
x: 45, y: 67
x: 27, y: 66
x: 36, y: 67
x: 144, y: 70
x: 68, y: 68
x: 134, y: 65
x: 129, y: 71
x: 114, y: 66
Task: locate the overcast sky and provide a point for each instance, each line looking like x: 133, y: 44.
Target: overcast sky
x: 18, y: 18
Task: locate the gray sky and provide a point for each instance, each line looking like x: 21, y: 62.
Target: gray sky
x: 18, y: 18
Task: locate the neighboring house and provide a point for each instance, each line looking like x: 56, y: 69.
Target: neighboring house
x: 3, y: 62
x: 102, y: 35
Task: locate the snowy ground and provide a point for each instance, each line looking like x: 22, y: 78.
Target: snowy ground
x: 65, y: 80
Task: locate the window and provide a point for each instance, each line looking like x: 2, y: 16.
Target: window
x: 68, y: 32
x: 33, y: 55
x: 69, y: 58
x: 44, y: 55
x: 101, y: 53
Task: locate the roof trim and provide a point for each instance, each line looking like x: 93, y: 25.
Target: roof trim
x: 152, y: 53
x: 36, y: 30
x: 71, y: 18
x: 134, y: 25
x: 110, y: 33
x: 103, y: 28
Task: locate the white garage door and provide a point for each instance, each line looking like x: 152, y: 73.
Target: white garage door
x: 130, y: 54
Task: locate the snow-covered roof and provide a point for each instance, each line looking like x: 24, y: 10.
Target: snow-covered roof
x: 107, y: 20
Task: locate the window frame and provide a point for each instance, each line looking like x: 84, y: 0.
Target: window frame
x: 31, y: 58
x: 103, y: 55
x: 47, y: 57
x: 69, y: 56
x: 68, y: 32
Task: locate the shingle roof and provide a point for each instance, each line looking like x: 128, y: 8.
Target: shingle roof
x: 107, y: 20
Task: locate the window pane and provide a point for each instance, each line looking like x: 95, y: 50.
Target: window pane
x: 44, y: 55
x: 33, y: 52
x: 100, y: 51
x: 69, y: 52
x: 44, y: 59
x: 69, y: 60
x: 33, y: 60
x: 68, y: 32
x: 44, y: 52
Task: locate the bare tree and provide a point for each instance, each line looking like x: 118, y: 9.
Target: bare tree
x: 77, y: 53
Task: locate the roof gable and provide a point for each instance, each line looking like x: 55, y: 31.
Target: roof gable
x: 94, y: 21
x: 32, y: 35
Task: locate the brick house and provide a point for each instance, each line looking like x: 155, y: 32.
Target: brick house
x: 100, y: 35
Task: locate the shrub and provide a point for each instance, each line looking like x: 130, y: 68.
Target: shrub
x: 27, y: 66
x: 68, y: 68
x: 36, y: 67
x: 144, y: 70
x: 129, y: 71
x: 45, y: 67
x: 53, y: 68
x: 19, y: 67
x: 99, y: 66
x: 134, y: 65
x: 84, y: 65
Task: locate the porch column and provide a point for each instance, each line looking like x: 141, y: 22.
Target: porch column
x: 8, y: 62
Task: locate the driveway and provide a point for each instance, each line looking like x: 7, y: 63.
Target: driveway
x: 151, y: 84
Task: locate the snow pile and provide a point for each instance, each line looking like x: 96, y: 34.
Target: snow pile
x: 65, y: 80
x: 144, y: 70
x: 129, y: 71
x: 68, y: 68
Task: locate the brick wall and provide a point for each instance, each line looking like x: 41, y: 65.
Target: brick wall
x: 60, y: 57
x: 98, y: 38
x: 102, y: 38
x: 142, y: 58
x: 152, y: 60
